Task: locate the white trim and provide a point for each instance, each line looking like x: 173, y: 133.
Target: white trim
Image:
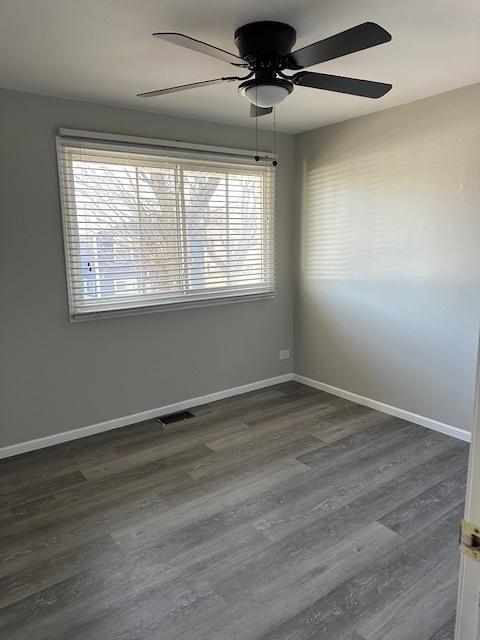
x: 82, y: 432
x: 116, y: 423
x: 176, y: 306
x: 155, y: 142
x: 468, y: 609
x: 449, y: 430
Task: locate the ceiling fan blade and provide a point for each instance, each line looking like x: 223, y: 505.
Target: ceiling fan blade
x: 201, y: 47
x: 255, y: 111
x: 341, y: 84
x: 363, y: 36
x: 184, y: 87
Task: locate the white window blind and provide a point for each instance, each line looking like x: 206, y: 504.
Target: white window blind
x: 151, y: 226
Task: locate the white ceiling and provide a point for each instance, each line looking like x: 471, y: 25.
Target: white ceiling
x: 103, y: 51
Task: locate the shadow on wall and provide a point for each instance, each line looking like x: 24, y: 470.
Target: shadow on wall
x: 401, y: 211
x: 389, y: 269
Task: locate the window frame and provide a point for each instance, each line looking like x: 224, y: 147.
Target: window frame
x: 179, y: 150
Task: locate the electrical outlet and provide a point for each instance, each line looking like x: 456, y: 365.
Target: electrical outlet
x: 284, y: 355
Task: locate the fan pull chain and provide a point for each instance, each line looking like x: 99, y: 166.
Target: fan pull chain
x: 257, y: 157
x: 274, y: 137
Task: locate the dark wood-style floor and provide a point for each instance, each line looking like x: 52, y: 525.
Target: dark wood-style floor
x: 282, y: 514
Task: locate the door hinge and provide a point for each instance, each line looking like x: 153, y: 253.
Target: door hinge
x: 470, y: 540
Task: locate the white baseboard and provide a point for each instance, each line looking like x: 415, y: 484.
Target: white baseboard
x: 449, y: 430
x: 82, y: 432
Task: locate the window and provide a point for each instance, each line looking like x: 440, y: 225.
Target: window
x: 151, y: 226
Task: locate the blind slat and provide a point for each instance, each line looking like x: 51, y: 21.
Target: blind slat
x: 105, y: 272
x: 151, y: 275
x: 152, y: 256
x: 191, y: 295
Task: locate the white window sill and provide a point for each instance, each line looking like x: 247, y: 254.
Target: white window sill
x: 156, y: 308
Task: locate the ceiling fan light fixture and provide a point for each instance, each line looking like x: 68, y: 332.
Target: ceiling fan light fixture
x: 267, y: 93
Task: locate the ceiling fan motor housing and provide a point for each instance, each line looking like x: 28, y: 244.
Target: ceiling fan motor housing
x: 260, y: 41
x: 265, y: 46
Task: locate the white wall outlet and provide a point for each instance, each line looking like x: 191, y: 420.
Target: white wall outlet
x: 284, y: 355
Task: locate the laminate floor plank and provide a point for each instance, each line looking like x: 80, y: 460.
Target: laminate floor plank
x: 39, y: 490
x: 247, y: 402
x: 335, y: 426
x: 370, y: 590
x: 153, y: 459
x: 285, y: 513
x: 37, y: 577
x: 231, y: 462
x: 428, y: 505
x: 446, y: 631
x: 184, y: 435
x: 204, y: 500
x: 29, y: 543
x: 419, y: 610
x: 62, y: 459
x: 371, y: 487
x: 262, y: 601
x: 88, y: 495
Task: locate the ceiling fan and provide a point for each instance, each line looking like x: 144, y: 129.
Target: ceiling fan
x: 265, y: 49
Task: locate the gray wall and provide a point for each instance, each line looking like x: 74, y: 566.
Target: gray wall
x: 387, y: 272
x: 58, y: 376
x: 387, y: 287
